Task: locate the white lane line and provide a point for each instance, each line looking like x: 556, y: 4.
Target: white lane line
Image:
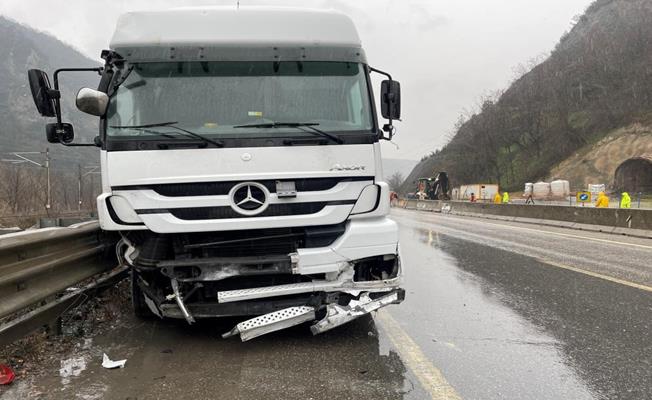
x: 429, y: 376
x: 613, y: 242
x: 554, y: 263
x: 595, y: 275
x: 642, y: 246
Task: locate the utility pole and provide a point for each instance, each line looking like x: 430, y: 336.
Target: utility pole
x: 92, y: 169
x: 47, y: 167
x: 79, y: 199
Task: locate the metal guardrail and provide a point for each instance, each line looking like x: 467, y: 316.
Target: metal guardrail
x: 37, y: 265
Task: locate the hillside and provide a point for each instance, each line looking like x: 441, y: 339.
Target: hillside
x: 21, y: 128
x: 597, y: 79
x: 595, y: 163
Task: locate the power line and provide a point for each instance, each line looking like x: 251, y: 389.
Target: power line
x: 21, y: 157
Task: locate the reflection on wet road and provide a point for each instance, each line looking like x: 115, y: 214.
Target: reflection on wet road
x: 480, y: 321
x: 173, y: 361
x: 504, y: 325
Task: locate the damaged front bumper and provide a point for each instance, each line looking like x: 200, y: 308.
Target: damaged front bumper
x: 336, y: 315
x: 358, y: 273
x: 330, y: 303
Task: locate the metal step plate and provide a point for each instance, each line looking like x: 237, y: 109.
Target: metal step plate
x: 272, y: 291
x: 272, y: 322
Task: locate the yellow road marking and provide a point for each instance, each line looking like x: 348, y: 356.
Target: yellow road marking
x: 428, y: 375
x: 596, y: 275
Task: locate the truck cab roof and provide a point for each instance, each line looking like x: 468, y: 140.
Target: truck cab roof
x: 237, y: 34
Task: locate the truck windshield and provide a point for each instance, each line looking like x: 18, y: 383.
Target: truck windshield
x: 215, y: 99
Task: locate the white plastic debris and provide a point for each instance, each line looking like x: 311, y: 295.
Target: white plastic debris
x: 110, y: 364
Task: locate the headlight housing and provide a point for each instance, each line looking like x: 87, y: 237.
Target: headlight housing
x: 368, y: 200
x: 123, y: 210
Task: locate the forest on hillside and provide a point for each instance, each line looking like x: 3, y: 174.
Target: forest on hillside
x: 598, y: 78
x: 23, y: 188
x: 21, y: 127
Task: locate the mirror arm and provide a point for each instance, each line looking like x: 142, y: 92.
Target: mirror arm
x: 388, y: 127
x: 381, y: 72
x: 57, y: 102
x: 55, y: 94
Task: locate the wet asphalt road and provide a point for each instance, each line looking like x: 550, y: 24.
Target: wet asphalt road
x: 492, y: 312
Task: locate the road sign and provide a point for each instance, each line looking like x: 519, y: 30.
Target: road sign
x: 583, y: 197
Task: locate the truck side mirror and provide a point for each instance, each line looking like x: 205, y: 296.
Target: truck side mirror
x: 92, y: 101
x: 390, y: 95
x: 59, y: 133
x: 42, y: 93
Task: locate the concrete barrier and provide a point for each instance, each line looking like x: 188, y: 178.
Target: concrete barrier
x: 611, y: 217
x: 410, y: 204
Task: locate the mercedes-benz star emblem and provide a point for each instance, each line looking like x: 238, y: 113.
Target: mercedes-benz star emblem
x: 249, y: 198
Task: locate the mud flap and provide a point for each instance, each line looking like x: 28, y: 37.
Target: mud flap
x: 337, y: 315
x: 272, y: 322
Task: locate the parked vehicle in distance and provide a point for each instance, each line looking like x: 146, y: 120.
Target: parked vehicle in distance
x: 435, y: 188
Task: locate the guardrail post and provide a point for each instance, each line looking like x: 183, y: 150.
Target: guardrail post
x: 54, y: 327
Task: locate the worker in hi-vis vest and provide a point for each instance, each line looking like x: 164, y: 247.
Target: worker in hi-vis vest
x: 625, y: 200
x: 505, y: 198
x: 603, y: 201
x: 497, y: 198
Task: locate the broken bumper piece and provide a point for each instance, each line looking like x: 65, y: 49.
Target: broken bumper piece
x: 272, y: 322
x: 336, y: 315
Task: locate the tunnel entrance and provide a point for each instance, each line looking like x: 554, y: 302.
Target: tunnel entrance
x: 634, y: 175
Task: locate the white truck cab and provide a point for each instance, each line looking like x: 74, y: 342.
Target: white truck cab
x: 241, y: 165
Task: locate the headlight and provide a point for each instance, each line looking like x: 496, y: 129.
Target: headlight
x: 123, y: 210
x: 368, y: 200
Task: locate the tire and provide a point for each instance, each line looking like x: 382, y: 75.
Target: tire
x: 140, y: 308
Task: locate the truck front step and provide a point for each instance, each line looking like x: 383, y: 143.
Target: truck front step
x: 272, y: 322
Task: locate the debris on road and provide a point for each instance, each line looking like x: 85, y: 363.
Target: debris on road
x: 71, y: 367
x: 6, y: 375
x: 110, y: 364
x: 41, y: 352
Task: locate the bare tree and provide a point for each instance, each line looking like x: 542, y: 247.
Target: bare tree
x: 395, y: 181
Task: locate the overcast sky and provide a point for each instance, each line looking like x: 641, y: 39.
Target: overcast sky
x: 446, y: 54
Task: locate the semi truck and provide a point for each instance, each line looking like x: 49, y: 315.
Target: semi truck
x: 241, y: 165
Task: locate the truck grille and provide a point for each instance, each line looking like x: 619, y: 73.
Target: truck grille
x: 226, y: 212
x: 223, y: 188
x: 244, y: 243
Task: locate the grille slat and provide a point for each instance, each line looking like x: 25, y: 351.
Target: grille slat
x: 273, y: 210
x: 223, y: 188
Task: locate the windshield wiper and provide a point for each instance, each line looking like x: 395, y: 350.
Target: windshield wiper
x: 299, y: 125
x: 172, y: 125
